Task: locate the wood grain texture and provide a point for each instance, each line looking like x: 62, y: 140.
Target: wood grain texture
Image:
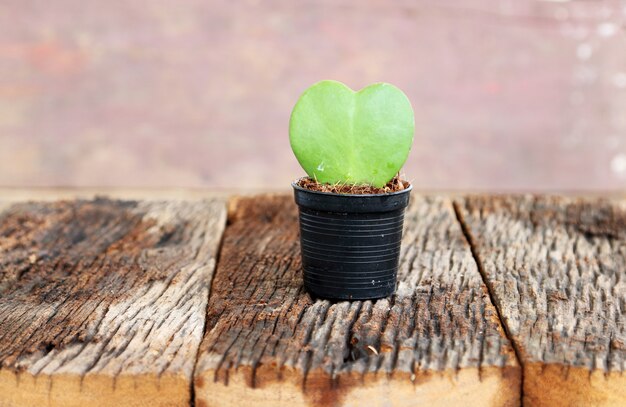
x: 557, y: 270
x: 437, y: 341
x: 102, y: 302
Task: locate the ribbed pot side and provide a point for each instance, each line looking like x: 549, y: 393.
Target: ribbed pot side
x: 350, y: 244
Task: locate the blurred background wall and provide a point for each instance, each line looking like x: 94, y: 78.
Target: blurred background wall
x: 508, y: 95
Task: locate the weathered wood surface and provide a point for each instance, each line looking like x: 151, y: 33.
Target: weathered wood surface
x: 103, y: 302
x: 438, y: 341
x: 557, y: 270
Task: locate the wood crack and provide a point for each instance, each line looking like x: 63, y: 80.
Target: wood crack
x: 494, y: 300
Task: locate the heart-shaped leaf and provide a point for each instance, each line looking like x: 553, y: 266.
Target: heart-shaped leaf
x: 363, y: 137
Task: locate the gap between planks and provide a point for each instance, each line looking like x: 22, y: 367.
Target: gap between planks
x: 555, y: 268
x: 496, y: 304
x: 214, y: 320
x: 192, y: 388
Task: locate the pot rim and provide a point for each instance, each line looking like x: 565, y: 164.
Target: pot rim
x: 295, y: 185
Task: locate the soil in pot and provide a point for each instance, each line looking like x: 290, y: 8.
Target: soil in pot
x: 395, y: 185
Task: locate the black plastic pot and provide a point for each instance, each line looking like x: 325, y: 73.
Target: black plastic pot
x: 350, y: 243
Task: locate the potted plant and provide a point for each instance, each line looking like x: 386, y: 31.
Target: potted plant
x: 352, y: 146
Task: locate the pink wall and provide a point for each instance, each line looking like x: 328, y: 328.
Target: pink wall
x: 508, y: 95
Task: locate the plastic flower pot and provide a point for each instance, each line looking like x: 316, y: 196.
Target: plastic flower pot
x: 350, y: 243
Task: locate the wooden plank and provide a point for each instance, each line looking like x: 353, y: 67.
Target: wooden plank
x: 102, y: 303
x: 136, y: 194
x: 557, y: 270
x: 3, y: 205
x: 437, y: 341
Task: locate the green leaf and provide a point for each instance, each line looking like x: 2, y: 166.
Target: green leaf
x: 363, y: 137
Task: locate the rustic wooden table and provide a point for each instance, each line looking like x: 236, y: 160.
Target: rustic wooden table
x: 501, y: 301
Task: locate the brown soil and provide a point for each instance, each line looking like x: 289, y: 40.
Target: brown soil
x: 395, y: 185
